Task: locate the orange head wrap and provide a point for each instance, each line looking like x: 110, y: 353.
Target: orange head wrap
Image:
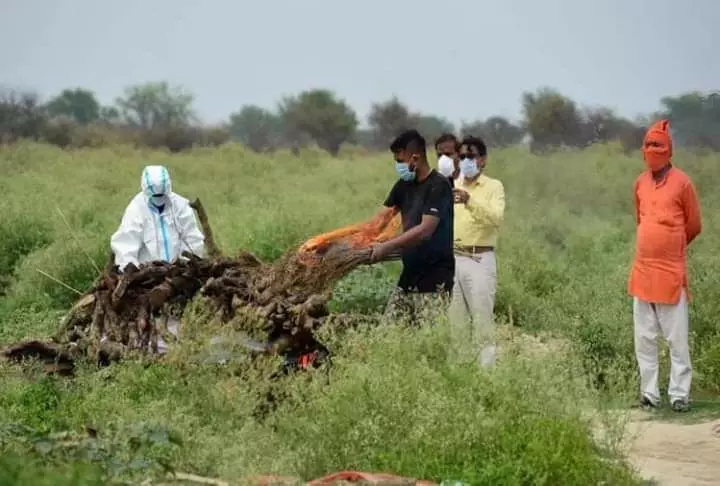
x: 657, y: 145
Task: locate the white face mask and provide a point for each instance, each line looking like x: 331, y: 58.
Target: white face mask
x: 469, y: 168
x: 446, y: 166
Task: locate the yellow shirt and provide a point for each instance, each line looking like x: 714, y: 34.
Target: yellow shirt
x: 477, y: 222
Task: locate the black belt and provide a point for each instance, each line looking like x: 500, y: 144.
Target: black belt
x: 474, y: 250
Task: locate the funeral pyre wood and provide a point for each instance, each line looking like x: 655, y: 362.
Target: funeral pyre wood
x: 126, y: 313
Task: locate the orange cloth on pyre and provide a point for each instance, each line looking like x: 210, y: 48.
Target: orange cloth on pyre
x: 382, y: 227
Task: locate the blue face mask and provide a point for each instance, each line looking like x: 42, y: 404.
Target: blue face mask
x: 468, y: 168
x: 403, y: 170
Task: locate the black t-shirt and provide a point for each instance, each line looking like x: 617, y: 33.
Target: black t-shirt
x: 429, y: 263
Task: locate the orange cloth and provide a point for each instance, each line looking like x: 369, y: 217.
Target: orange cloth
x: 382, y: 227
x: 363, y: 477
x: 657, y: 145
x: 339, y: 478
x: 668, y: 219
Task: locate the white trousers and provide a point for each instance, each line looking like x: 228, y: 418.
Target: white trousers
x: 472, y: 325
x: 672, y: 322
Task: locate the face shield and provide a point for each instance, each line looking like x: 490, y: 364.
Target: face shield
x: 156, y: 185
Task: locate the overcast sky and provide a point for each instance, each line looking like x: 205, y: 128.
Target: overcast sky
x: 461, y: 59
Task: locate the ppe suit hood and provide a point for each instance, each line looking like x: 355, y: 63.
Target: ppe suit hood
x: 156, y: 184
x: 155, y: 181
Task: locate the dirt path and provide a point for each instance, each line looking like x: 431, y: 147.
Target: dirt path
x: 675, y: 453
x: 671, y: 453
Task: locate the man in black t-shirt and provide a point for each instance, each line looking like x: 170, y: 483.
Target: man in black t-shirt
x: 424, y: 199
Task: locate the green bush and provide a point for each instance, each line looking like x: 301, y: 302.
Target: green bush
x: 19, y: 469
x: 19, y: 236
x: 397, y: 403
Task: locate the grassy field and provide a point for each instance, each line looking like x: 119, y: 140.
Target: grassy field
x: 394, y: 402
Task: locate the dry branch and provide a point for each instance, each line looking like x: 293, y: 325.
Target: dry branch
x: 212, y: 249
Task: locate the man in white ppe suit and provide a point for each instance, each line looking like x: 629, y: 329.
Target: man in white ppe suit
x: 158, y: 225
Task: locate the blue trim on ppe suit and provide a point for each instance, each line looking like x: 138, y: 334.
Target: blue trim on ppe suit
x: 163, y: 227
x: 161, y: 218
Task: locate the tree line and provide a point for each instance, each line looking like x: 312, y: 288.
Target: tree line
x: 159, y: 115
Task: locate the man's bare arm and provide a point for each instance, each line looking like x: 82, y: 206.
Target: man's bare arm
x: 414, y: 235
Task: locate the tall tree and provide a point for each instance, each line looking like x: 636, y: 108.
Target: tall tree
x: 496, y: 131
x: 77, y: 104
x: 694, y: 119
x: 256, y: 127
x: 156, y: 105
x: 109, y: 114
x: 318, y: 114
x: 552, y: 119
x: 387, y: 119
x: 431, y: 126
x: 20, y: 116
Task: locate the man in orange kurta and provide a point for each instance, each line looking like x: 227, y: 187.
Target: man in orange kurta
x: 668, y: 219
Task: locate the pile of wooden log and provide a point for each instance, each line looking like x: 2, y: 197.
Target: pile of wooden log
x: 126, y: 313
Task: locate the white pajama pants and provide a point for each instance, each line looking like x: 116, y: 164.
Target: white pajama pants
x: 472, y: 326
x: 671, y: 321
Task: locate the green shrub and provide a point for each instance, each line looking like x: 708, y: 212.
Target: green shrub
x: 19, y: 237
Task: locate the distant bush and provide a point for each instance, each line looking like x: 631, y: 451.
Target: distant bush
x: 158, y: 115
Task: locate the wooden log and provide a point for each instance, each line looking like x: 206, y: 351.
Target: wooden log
x: 81, y: 312
x: 144, y: 321
x: 212, y: 249
x: 159, y: 295
x: 119, y: 292
x: 149, y: 276
x: 54, y: 357
x: 314, y: 306
x: 97, y: 327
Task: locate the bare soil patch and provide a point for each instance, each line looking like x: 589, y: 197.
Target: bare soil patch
x: 675, y: 453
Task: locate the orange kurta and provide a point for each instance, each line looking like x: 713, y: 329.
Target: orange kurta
x: 668, y: 218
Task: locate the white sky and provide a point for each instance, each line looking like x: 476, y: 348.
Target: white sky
x: 461, y: 59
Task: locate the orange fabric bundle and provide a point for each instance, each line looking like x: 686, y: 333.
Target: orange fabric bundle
x: 382, y: 227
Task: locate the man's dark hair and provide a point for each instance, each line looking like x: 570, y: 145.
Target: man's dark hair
x: 447, y: 137
x: 409, y: 140
x: 476, y: 142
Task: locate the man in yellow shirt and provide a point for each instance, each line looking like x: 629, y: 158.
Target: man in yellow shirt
x: 479, y: 210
